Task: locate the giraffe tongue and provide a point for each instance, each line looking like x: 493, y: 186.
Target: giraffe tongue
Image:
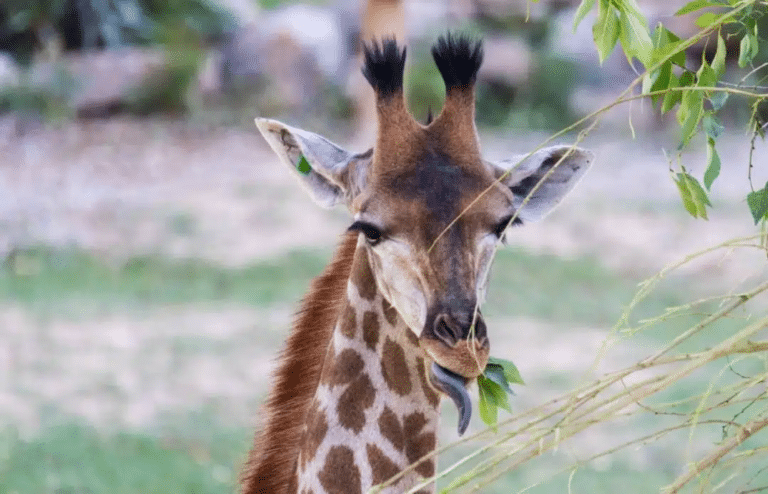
x: 454, y: 386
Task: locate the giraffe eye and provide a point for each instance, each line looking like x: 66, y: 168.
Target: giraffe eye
x: 372, y: 234
x: 501, y: 226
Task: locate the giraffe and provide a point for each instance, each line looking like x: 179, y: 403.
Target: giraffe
x: 393, y: 323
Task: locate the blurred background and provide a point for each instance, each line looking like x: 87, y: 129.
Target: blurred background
x: 152, y: 250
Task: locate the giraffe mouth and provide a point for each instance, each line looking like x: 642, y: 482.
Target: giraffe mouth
x: 454, y: 386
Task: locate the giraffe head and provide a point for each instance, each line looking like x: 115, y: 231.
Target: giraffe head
x: 430, y: 210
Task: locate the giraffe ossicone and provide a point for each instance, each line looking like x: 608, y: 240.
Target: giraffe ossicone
x: 393, y: 323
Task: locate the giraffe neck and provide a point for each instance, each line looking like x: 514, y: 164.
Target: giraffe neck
x: 374, y: 412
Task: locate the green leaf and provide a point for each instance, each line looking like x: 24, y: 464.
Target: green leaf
x: 498, y: 393
x: 687, y: 78
x: 694, y: 197
x: 758, y: 203
x: 705, y: 77
x: 303, y: 165
x: 665, y: 42
x: 693, y: 103
x: 635, y: 38
x: 495, y: 373
x: 718, y: 63
x: 706, y: 19
x: 685, y: 195
x: 510, y: 369
x: 487, y: 405
x: 605, y: 32
x: 754, y: 44
x: 699, y: 194
x: 671, y: 98
x: 713, y: 164
x: 745, y: 51
x: 718, y: 99
x: 582, y: 11
x: 712, y: 126
x: 662, y: 81
x: 693, y: 6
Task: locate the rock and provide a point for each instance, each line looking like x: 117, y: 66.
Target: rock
x: 314, y: 29
x: 97, y: 81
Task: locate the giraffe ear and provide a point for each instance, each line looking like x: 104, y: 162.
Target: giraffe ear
x: 530, y: 171
x: 328, y: 172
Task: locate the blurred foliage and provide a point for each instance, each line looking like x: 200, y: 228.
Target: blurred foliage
x: 77, y: 458
x: 547, y: 95
x: 48, y: 103
x: 27, y: 26
x: 165, y: 91
x: 424, y: 87
x: 183, y: 27
x: 542, y: 103
x: 32, y: 102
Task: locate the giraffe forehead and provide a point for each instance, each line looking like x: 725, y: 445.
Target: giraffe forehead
x: 434, y: 191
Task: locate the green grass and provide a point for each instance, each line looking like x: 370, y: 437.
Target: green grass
x: 579, y: 291
x: 76, y: 459
x: 544, y: 476
x: 74, y: 282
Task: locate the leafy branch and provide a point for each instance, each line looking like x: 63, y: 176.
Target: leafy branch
x: 671, y: 84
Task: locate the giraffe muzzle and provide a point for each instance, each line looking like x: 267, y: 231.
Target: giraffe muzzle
x: 457, y: 344
x: 455, y: 386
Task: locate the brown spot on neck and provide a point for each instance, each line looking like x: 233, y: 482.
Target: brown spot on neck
x: 340, y: 475
x: 348, y: 322
x: 317, y: 428
x: 371, y: 329
x: 353, y: 403
x: 390, y: 428
x: 419, y: 443
x: 394, y: 368
x: 382, y: 467
x: 342, y: 369
x: 390, y: 313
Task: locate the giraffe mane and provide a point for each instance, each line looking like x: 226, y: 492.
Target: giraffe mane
x: 272, y: 460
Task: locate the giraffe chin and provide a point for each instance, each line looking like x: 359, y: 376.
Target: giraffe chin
x: 454, y: 386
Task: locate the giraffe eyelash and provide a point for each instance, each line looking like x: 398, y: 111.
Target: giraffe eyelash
x: 372, y: 233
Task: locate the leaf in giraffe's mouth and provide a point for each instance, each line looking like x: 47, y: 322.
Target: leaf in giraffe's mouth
x: 454, y: 386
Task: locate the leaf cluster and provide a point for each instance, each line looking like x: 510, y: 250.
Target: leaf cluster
x: 494, y: 386
x: 697, y: 95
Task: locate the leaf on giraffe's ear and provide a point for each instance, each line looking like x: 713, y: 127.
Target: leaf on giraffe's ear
x: 303, y: 165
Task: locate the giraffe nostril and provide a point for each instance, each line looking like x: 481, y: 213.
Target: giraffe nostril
x: 446, y: 330
x: 481, y: 332
x: 483, y: 342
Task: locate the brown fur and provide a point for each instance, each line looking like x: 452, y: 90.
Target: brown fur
x: 272, y: 461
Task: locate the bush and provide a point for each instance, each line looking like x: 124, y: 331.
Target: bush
x: 27, y: 26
